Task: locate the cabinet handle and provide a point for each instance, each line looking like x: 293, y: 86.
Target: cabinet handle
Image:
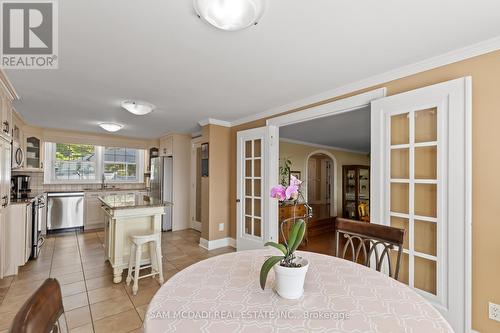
x: 5, y: 201
x: 6, y: 127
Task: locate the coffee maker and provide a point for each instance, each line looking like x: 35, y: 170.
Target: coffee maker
x: 20, y: 187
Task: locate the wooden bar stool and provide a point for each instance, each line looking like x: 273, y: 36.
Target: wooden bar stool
x: 134, y: 264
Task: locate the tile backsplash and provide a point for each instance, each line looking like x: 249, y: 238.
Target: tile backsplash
x: 37, y: 185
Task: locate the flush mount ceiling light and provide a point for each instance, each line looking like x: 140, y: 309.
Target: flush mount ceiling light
x: 230, y: 15
x: 138, y: 108
x: 111, y: 127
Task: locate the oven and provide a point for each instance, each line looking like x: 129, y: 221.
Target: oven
x: 38, y: 207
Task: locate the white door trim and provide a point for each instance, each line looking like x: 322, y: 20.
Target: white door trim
x: 329, y: 109
x: 195, y: 143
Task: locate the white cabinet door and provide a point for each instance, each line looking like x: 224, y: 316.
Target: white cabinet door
x: 94, y: 215
x: 5, y: 160
x: 167, y: 146
x: 2, y: 244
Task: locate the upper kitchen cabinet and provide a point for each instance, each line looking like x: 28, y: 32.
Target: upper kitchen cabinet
x: 7, y: 95
x: 6, y: 115
x: 34, y: 152
x: 167, y: 145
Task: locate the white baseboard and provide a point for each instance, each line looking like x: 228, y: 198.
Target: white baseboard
x: 196, y: 225
x: 217, y: 243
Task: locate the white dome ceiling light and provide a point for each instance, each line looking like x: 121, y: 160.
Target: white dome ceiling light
x: 230, y: 15
x: 138, y: 108
x: 111, y: 127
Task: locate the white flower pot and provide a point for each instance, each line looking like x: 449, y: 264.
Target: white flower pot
x: 290, y: 280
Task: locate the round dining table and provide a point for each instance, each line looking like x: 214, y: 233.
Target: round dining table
x: 223, y: 294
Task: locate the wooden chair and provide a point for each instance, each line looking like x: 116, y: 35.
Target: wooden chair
x: 366, y: 239
x: 43, y: 312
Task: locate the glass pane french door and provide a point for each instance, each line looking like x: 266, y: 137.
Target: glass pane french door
x: 252, y: 205
x: 253, y: 147
x: 421, y: 181
x: 415, y: 194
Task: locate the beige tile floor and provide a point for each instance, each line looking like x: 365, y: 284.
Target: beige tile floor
x: 91, y: 301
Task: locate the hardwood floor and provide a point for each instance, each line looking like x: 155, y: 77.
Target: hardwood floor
x: 93, y: 303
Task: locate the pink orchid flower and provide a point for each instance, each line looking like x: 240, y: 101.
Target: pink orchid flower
x: 278, y: 192
x: 294, y: 181
x: 292, y: 192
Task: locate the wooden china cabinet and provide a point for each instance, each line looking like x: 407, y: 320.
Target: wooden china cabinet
x: 355, y: 191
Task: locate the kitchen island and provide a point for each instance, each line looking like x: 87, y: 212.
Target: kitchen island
x: 126, y: 215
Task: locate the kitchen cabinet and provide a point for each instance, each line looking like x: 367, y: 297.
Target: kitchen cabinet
x: 5, y: 172
x: 6, y: 116
x: 15, y: 238
x: 34, y: 150
x: 167, y: 146
x: 94, y: 215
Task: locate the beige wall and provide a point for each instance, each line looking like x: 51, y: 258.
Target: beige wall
x: 215, y: 187
x: 485, y: 72
x: 298, y: 153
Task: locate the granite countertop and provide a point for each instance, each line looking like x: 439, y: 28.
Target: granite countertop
x: 109, y: 189
x: 114, y: 189
x: 128, y: 201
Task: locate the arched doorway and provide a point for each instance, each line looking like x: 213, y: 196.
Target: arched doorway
x: 321, y: 184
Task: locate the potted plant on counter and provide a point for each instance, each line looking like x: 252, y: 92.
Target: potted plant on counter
x: 289, y: 269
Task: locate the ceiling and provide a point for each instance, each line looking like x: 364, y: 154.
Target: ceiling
x: 160, y: 52
x: 349, y: 130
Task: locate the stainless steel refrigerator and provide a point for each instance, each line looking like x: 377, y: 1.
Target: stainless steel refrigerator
x: 161, y: 186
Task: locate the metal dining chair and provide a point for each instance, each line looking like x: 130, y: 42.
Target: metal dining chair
x: 370, y: 244
x: 43, y: 312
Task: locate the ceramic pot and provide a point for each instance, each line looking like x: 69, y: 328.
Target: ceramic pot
x: 290, y: 280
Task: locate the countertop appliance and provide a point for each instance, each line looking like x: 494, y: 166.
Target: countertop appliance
x: 161, y: 185
x: 17, y: 155
x: 64, y: 210
x: 20, y: 186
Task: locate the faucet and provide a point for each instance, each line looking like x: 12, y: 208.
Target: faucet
x: 103, y: 184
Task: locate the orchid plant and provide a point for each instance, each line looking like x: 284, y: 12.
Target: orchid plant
x: 295, y: 237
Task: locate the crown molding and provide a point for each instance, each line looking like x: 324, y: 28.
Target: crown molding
x: 7, y: 85
x: 212, y: 121
x: 471, y: 51
x: 317, y: 145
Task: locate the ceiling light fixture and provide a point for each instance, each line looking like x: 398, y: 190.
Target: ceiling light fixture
x: 111, y: 127
x: 230, y: 15
x: 138, y: 108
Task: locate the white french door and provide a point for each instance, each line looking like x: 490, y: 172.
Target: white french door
x: 254, y: 178
x: 421, y: 182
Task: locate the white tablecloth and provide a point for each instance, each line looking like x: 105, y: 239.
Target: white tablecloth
x: 222, y: 294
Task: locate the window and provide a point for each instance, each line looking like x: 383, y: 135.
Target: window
x: 84, y: 163
x: 120, y: 164
x: 74, y: 162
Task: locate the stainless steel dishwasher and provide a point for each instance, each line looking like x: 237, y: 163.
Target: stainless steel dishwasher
x: 64, y: 210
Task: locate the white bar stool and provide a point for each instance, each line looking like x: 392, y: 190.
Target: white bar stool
x: 134, y: 264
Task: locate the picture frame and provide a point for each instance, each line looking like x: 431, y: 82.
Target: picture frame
x: 204, y: 151
x: 204, y: 159
x: 296, y: 174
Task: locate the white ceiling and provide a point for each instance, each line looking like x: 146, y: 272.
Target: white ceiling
x: 349, y: 130
x: 159, y: 51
